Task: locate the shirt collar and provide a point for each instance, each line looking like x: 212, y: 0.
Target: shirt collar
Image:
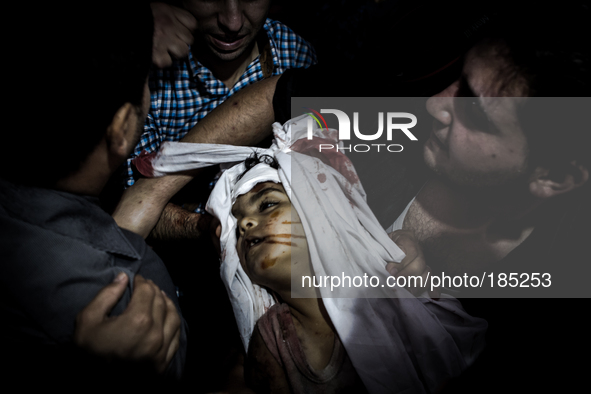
x: 73, y: 216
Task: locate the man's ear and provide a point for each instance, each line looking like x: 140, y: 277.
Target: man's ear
x: 545, y: 183
x: 121, y: 132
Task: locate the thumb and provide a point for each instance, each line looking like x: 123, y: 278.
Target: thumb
x: 392, y: 268
x: 186, y: 18
x: 435, y: 294
x: 107, y: 298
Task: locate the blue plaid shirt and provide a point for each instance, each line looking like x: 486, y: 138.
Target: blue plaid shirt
x: 181, y: 95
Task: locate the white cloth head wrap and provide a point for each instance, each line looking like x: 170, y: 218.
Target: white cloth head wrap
x: 408, y: 345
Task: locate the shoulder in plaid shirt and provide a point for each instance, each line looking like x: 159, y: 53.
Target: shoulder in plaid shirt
x: 184, y: 93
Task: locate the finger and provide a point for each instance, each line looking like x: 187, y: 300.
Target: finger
x: 174, y: 346
x: 422, y: 284
x: 184, y: 35
x: 185, y: 18
x: 147, y: 314
x: 416, y: 267
x: 159, y: 308
x: 170, y: 331
x: 177, y: 48
x: 395, y: 235
x: 408, y: 245
x: 142, y: 297
x: 161, y: 59
x: 435, y: 293
x: 171, y: 351
x: 173, y: 320
x: 155, y: 344
x: 422, y: 279
x: 392, y: 268
x: 106, y: 299
x: 416, y: 275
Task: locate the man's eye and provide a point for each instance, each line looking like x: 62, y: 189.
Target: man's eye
x: 472, y: 114
x: 478, y: 117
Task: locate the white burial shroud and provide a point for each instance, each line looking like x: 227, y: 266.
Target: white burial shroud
x: 398, y: 343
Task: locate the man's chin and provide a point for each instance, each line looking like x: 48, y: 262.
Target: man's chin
x: 498, y: 186
x: 476, y: 180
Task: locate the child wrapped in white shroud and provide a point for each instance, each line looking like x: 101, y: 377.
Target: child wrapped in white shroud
x: 398, y: 343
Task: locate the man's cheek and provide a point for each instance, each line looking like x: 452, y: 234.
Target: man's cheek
x: 471, y: 151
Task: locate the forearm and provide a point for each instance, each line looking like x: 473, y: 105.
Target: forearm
x: 243, y: 119
x: 177, y: 222
x: 142, y: 204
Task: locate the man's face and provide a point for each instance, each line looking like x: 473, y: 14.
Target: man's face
x: 264, y: 235
x: 476, y: 138
x: 228, y: 27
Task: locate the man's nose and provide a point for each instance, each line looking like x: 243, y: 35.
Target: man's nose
x: 440, y: 106
x: 230, y: 16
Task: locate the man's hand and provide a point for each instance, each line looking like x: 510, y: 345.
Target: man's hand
x: 173, y: 33
x: 149, y: 328
x: 413, y: 264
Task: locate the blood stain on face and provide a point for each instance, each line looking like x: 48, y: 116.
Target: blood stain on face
x: 268, y: 262
x: 270, y: 241
x: 288, y: 236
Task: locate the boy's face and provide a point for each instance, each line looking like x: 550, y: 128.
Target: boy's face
x: 269, y: 235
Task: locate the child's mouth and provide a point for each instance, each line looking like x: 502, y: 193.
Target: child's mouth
x: 251, y: 242
x: 255, y: 242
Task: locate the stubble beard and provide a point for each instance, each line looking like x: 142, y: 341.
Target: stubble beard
x: 500, y: 188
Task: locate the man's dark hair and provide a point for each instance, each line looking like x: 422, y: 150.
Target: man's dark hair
x: 548, y: 45
x: 85, y: 61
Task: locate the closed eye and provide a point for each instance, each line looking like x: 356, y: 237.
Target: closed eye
x: 470, y: 108
x: 474, y: 114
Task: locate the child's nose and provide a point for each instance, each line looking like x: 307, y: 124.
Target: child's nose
x: 247, y: 223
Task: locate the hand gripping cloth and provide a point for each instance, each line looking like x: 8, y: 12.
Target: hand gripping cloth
x: 398, y: 343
